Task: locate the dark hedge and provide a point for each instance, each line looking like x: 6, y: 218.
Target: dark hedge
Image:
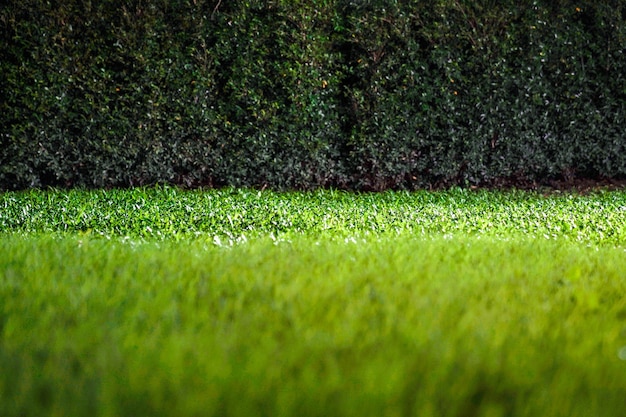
x: 364, y: 95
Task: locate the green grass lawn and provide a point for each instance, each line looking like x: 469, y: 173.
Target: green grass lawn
x: 239, y: 303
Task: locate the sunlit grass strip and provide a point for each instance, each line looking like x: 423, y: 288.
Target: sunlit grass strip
x: 236, y: 215
x: 398, y: 327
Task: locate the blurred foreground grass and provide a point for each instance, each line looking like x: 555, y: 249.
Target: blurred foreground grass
x: 163, y: 302
x: 389, y: 326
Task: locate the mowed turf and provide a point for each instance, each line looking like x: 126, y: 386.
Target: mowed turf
x: 357, y: 322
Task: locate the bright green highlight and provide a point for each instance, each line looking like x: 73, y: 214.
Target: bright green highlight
x: 484, y: 304
x: 234, y: 215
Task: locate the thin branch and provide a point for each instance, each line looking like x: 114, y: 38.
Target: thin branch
x: 217, y: 6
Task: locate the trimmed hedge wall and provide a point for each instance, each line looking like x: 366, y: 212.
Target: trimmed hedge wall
x: 355, y: 94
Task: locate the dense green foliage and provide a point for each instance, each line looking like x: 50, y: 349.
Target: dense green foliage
x: 456, y: 303
x: 369, y: 94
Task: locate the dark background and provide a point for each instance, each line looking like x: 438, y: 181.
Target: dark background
x: 362, y: 95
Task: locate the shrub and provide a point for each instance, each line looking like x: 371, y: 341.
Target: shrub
x: 301, y: 94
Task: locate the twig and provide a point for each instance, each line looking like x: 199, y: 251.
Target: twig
x: 217, y: 6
